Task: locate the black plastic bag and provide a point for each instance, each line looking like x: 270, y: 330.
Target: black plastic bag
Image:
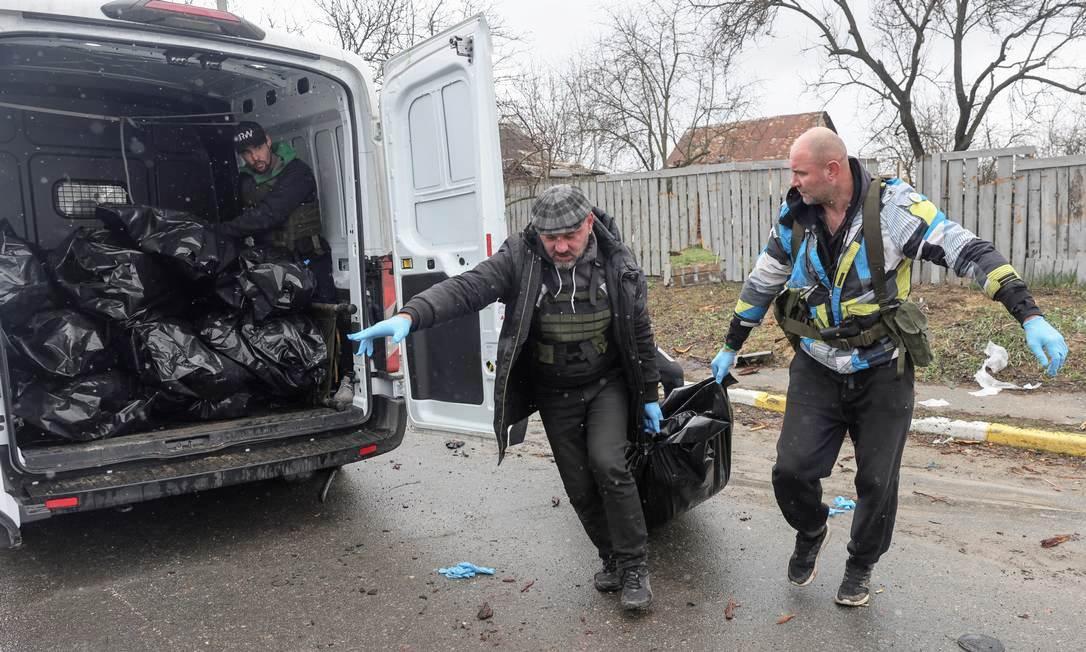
x: 110, y: 280
x: 173, y: 358
x: 85, y: 409
x: 689, y: 460
x: 24, y: 283
x: 177, y: 407
x: 194, y: 249
x: 270, y: 282
x: 292, y: 351
x: 62, y: 343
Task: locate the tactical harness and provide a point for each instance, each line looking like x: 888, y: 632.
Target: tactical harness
x: 901, y: 321
x: 302, y: 230
x: 573, y: 346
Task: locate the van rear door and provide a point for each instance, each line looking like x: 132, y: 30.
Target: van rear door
x: 446, y: 196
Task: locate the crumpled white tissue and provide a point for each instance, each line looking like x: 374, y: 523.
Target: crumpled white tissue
x: 996, y: 362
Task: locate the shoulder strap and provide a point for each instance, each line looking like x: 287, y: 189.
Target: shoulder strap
x: 797, y: 242
x: 873, y: 241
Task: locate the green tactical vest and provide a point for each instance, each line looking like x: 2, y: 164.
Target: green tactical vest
x: 304, y: 222
x: 571, y: 342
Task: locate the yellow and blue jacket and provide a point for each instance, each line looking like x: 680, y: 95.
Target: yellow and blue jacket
x: 832, y: 271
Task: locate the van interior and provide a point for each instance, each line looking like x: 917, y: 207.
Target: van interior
x: 84, y: 123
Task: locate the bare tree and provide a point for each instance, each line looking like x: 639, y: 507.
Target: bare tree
x: 552, y: 108
x: 910, y: 54
x: 660, y: 72
x: 378, y: 29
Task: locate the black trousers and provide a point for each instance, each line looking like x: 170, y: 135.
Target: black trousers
x: 875, y: 407
x: 586, y: 427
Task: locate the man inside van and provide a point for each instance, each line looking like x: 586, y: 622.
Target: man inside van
x: 576, y: 345
x: 278, y: 196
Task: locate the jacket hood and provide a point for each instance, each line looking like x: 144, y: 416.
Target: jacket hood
x: 285, y: 153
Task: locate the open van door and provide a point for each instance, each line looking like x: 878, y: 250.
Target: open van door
x: 440, y: 124
x: 9, y: 509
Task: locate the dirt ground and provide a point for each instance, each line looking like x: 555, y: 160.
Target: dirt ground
x: 691, y: 323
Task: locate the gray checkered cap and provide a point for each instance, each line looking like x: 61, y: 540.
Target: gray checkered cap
x: 560, y: 209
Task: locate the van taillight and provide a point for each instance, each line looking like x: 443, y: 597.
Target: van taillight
x: 184, y: 17
x: 367, y: 450
x: 61, y: 503
x: 202, y: 12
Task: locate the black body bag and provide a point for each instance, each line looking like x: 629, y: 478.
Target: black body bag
x: 690, y: 459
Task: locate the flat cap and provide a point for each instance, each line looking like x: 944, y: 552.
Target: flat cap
x: 560, y: 209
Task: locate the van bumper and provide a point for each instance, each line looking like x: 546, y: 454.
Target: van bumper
x: 138, y: 482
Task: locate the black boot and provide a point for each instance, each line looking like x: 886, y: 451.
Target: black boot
x: 608, y: 579
x: 803, y: 565
x: 636, y: 590
x: 855, y: 588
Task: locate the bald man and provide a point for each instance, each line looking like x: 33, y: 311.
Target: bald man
x: 837, y: 271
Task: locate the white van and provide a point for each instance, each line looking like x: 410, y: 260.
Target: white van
x: 136, y: 98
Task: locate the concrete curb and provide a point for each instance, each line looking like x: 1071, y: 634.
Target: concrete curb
x: 1068, y: 443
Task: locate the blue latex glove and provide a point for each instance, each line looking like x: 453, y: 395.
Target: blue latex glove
x: 1042, y: 339
x: 653, y: 417
x: 722, y: 363
x: 396, y: 327
x: 464, y: 569
x: 842, y: 505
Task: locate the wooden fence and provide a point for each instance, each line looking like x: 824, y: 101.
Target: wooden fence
x: 1033, y: 210
x: 727, y: 208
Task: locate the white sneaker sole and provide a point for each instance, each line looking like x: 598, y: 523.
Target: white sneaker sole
x: 853, y: 603
x: 821, y: 549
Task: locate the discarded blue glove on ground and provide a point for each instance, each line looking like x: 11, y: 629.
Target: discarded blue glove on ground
x: 842, y: 505
x: 465, y: 569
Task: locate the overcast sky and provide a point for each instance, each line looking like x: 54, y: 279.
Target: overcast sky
x: 553, y: 30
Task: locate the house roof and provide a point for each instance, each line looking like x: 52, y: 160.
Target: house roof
x: 522, y: 159
x: 761, y: 139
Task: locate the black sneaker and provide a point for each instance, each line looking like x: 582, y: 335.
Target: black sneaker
x: 855, y: 591
x: 803, y: 566
x: 608, y: 579
x: 636, y: 590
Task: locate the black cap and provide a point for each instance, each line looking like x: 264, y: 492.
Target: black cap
x: 249, y: 134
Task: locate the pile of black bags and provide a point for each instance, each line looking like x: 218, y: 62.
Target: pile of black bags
x: 153, y: 320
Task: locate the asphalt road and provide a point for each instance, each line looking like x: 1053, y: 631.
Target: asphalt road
x: 268, y: 567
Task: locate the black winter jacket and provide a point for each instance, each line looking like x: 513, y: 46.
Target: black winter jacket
x: 294, y: 186
x: 514, y: 276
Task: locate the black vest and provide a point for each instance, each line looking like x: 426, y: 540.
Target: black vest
x: 570, y: 341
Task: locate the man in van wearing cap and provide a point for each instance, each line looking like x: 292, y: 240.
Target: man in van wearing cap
x: 576, y: 345
x: 278, y: 196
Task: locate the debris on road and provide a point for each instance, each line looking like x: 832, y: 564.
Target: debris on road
x: 453, y: 444
x: 555, y: 501
x: 527, y: 586
x: 785, y: 618
x: 509, y: 580
x: 933, y: 498
x: 729, y: 611
x: 1052, y: 542
x: 485, y: 612
x: 842, y: 505
x: 463, y: 570
x: 934, y: 402
x: 980, y: 643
